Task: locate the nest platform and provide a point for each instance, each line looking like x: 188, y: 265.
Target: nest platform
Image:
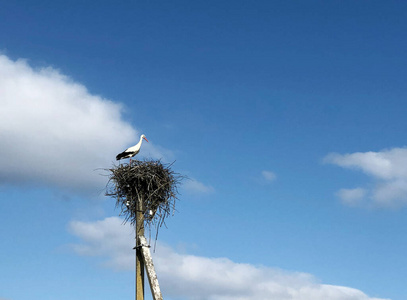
x: 147, y: 186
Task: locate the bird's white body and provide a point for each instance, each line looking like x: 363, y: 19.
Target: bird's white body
x: 132, y: 151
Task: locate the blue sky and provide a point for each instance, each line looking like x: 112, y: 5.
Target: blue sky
x: 287, y: 116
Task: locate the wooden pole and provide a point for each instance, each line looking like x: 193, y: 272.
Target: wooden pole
x: 152, y: 276
x: 139, y: 258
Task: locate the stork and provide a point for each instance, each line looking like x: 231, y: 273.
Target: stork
x: 132, y: 151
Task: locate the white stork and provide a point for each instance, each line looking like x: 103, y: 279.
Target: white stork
x: 132, y: 151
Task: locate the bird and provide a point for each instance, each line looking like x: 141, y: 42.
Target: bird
x: 132, y: 151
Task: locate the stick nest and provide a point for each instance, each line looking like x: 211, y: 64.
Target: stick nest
x: 147, y: 186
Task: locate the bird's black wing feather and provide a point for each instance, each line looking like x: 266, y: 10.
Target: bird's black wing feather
x: 122, y: 155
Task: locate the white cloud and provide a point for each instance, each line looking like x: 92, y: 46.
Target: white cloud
x: 109, y: 238
x: 268, y: 176
x: 387, y: 167
x: 194, y: 186
x: 204, y: 278
x: 386, y: 164
x: 352, y: 197
x: 54, y: 132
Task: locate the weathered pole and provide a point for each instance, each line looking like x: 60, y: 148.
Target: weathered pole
x: 151, y: 275
x: 139, y: 257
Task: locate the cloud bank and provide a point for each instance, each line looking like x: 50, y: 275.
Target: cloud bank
x: 388, y: 169
x: 201, y: 278
x: 54, y: 132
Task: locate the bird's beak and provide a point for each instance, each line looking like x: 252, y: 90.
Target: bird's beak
x: 145, y: 139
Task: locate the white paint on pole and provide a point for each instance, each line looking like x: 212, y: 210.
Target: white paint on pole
x: 148, y: 263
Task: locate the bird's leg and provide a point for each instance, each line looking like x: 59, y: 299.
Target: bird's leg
x: 130, y: 161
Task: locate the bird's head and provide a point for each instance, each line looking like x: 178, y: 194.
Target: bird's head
x: 144, y: 137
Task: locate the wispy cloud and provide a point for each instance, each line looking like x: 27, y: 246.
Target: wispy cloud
x: 352, y: 197
x: 192, y: 185
x: 268, y: 176
x: 203, y: 278
x: 388, y: 168
x: 54, y: 132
